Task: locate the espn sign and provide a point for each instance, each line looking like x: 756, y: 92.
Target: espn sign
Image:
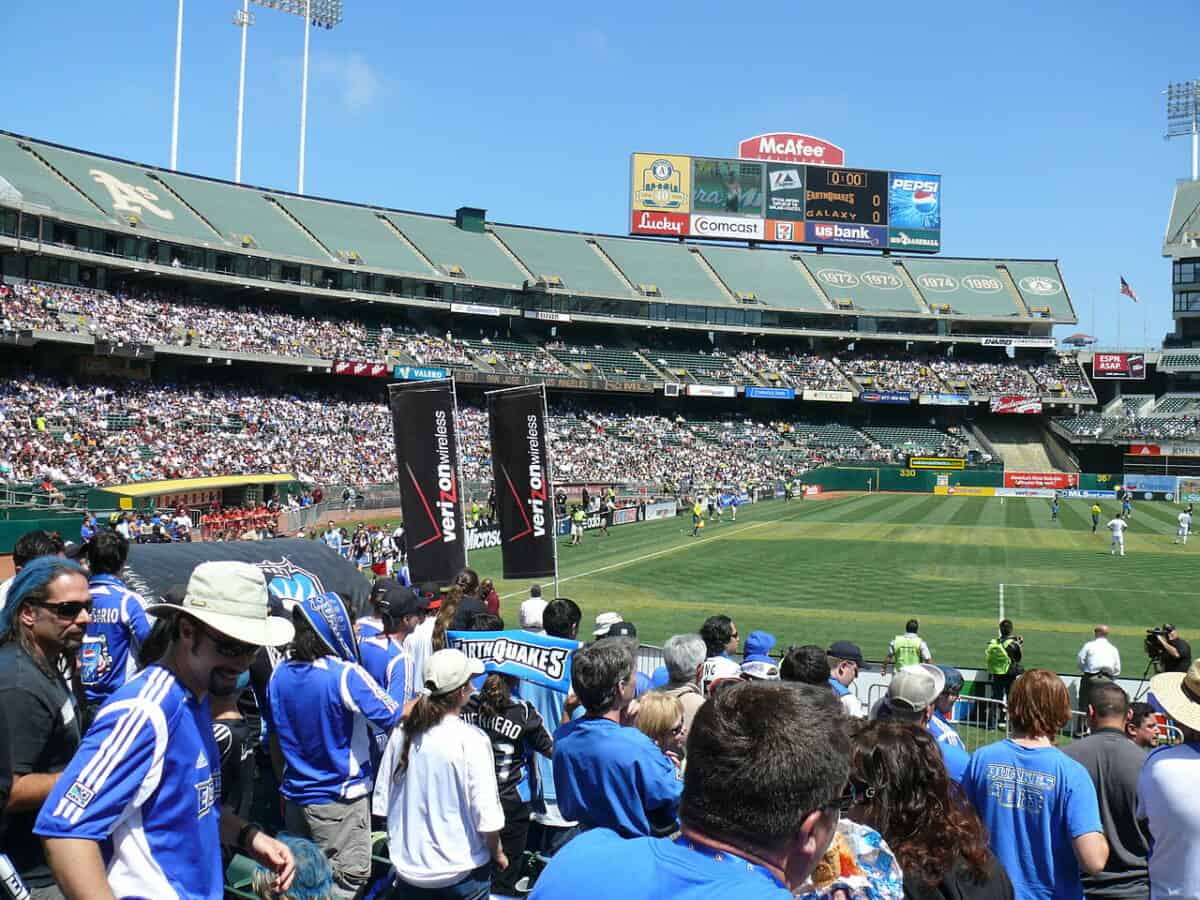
x: 361, y: 369
x: 1127, y: 366
x: 786, y: 146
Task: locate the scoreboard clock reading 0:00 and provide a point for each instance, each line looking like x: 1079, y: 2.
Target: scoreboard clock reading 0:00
x: 857, y: 196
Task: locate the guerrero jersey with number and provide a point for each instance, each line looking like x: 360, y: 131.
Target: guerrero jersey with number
x: 145, y: 785
x: 119, y: 624
x: 320, y: 711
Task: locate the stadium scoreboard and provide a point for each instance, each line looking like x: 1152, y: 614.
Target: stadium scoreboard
x: 783, y: 202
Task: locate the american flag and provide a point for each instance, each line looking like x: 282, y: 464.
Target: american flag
x: 1127, y: 290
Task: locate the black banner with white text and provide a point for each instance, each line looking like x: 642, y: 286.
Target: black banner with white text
x: 427, y: 465
x: 521, y: 468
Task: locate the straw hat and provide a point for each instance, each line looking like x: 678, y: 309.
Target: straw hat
x: 1178, y: 694
x: 231, y: 598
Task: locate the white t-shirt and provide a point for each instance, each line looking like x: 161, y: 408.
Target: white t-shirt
x: 1167, y: 801
x: 419, y: 647
x: 442, y: 805
x: 1117, y: 526
x: 1185, y: 522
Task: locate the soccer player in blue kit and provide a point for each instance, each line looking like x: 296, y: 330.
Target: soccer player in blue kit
x: 136, y: 813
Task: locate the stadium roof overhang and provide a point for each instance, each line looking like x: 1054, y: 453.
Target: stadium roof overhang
x: 171, y: 486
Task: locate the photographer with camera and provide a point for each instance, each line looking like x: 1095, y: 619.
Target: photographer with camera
x: 1169, y: 652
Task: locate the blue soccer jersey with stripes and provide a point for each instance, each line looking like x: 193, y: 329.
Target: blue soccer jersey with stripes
x: 145, y: 784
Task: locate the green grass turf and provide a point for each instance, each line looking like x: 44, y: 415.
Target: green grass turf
x: 858, y: 567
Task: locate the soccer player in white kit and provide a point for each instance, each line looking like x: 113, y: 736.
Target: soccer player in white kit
x: 1185, y: 526
x: 1117, y: 526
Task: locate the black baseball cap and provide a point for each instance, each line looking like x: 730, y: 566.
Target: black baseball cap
x: 621, y: 629
x: 381, y: 586
x: 400, y: 601
x: 845, y: 650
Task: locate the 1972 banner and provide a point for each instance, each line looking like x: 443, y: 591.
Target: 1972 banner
x: 427, y: 464
x: 521, y: 469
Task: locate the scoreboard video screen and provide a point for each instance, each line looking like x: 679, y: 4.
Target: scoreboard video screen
x: 791, y: 203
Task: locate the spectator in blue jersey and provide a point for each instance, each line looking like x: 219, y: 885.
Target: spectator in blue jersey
x: 400, y: 611
x: 41, y: 626
x: 750, y: 745
x: 549, y: 829
x: 437, y: 788
x: 1038, y: 804
x: 89, y: 529
x: 943, y: 709
x: 136, y: 813
x: 516, y: 731
x: 371, y: 625
x: 911, y: 697
x: 608, y: 775
x: 321, y: 705
x: 119, y: 624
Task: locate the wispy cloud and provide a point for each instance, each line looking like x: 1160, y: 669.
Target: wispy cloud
x: 357, y: 83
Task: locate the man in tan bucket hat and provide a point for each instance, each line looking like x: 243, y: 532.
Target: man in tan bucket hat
x: 1166, y: 789
x: 138, y: 809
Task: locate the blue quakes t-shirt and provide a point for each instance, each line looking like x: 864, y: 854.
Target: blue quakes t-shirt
x: 145, y: 784
x: 651, y: 869
x: 955, y: 759
x: 119, y: 624
x: 609, y: 776
x: 320, y: 711
x: 1034, y: 802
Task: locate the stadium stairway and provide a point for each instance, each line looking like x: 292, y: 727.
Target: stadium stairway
x: 1020, y: 442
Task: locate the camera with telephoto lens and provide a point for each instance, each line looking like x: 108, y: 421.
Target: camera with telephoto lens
x: 1154, y: 649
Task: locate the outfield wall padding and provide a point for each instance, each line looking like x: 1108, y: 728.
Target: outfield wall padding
x: 923, y: 481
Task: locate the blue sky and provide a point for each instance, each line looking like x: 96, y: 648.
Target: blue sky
x: 1045, y: 119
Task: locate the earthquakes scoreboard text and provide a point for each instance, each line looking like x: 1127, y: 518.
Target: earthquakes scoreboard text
x: 791, y: 203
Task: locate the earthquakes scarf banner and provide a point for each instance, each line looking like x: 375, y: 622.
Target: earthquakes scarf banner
x: 533, y: 657
x: 427, y: 465
x: 521, y: 472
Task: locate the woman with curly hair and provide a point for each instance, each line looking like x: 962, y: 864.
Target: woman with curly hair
x: 898, y: 786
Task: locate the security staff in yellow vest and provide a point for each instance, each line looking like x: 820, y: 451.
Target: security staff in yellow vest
x: 907, y: 649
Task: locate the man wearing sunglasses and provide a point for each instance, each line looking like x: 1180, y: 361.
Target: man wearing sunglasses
x: 42, y: 624
x: 137, y: 812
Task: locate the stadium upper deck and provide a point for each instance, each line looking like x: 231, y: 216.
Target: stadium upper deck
x: 90, y: 208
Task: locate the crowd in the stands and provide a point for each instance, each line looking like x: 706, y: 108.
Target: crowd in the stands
x: 1063, y: 376
x: 877, y: 372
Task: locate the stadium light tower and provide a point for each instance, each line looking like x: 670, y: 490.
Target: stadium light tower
x: 1183, y: 117
x: 324, y: 14
x: 243, y: 19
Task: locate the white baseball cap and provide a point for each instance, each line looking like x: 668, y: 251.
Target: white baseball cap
x: 605, y: 621
x: 448, y: 670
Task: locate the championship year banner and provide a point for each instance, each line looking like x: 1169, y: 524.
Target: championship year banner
x: 427, y: 464
x: 521, y: 473
x: 538, y: 658
x: 1016, y: 405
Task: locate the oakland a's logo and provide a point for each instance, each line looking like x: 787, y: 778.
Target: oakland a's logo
x: 661, y: 186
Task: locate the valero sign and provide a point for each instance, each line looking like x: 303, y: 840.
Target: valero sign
x: 786, y: 146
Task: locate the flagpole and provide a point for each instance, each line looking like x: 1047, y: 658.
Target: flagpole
x: 1118, y: 325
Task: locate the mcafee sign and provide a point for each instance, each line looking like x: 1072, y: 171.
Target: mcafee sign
x: 791, y: 147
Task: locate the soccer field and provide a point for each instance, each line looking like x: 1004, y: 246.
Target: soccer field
x: 859, y: 566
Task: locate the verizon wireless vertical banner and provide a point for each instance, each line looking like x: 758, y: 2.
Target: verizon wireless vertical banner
x: 521, y: 467
x: 427, y: 464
